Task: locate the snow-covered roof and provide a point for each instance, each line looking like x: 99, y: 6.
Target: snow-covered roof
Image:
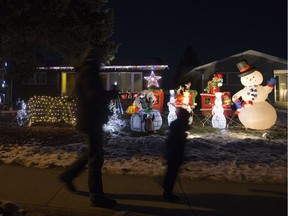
x: 239, y: 55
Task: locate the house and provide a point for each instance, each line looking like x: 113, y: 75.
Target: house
x: 127, y: 75
x: 269, y: 66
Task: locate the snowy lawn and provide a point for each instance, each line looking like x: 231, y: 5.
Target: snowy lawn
x: 233, y: 154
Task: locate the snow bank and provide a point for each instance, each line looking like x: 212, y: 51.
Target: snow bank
x: 235, y: 155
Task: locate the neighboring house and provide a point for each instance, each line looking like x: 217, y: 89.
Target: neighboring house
x: 269, y: 66
x: 60, y: 81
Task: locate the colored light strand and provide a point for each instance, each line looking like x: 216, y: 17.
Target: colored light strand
x: 112, y: 67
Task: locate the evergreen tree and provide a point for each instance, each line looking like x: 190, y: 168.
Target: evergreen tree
x: 32, y: 30
x: 188, y: 60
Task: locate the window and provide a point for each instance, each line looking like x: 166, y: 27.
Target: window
x: 123, y: 81
x: 137, y: 82
x: 126, y: 81
x: 207, y: 101
x: 280, y: 89
x: 39, y: 78
x: 233, y: 79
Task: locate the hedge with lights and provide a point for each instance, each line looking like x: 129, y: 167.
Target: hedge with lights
x: 46, y: 109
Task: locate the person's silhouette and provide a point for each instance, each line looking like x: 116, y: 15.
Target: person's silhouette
x: 174, y: 152
x: 92, y: 113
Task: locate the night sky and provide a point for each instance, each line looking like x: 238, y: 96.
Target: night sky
x: 215, y: 29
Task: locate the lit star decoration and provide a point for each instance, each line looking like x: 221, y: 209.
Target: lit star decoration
x: 152, y: 80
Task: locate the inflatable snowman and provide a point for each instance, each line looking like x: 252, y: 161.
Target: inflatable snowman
x: 254, y: 112
x: 218, y: 119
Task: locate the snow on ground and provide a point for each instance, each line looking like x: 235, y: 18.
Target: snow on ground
x: 233, y: 154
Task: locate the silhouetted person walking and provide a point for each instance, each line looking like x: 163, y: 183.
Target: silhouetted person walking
x: 92, y: 113
x: 174, y: 152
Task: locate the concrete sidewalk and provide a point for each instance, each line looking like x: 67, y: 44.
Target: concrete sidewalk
x: 39, y: 193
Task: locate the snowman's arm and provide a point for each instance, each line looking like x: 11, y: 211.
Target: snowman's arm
x: 270, y: 85
x: 237, y: 95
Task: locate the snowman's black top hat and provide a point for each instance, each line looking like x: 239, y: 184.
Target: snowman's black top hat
x: 245, y: 68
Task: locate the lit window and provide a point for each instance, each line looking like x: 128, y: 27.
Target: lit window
x: 126, y: 81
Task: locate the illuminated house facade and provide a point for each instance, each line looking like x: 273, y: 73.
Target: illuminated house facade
x: 60, y: 81
x: 269, y: 66
x: 129, y: 73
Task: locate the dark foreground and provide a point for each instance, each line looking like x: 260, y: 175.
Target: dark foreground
x: 39, y: 193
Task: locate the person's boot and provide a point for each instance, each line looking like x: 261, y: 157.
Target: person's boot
x: 68, y: 182
x: 170, y: 197
x: 102, y: 201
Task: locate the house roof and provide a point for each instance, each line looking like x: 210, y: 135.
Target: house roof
x: 121, y: 64
x: 137, y: 61
x: 138, y: 64
x: 228, y: 64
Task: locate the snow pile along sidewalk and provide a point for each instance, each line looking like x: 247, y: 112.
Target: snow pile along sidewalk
x: 221, y: 155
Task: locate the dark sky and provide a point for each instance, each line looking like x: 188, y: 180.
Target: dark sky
x: 215, y: 29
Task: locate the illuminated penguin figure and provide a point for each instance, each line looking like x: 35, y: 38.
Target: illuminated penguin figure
x: 218, y: 119
x: 255, y: 112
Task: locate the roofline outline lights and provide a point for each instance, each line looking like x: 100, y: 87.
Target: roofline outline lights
x: 115, y: 67
x: 136, y: 67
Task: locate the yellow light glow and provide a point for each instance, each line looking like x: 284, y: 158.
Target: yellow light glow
x: 64, y: 84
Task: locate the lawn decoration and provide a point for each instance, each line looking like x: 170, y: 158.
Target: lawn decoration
x: 215, y: 84
x: 208, y: 99
x: 152, y: 80
x: 172, y: 108
x: 158, y: 101
x: 254, y: 111
x: 22, y: 115
x: 146, y: 118
x: 115, y: 123
x: 46, y: 109
x: 218, y: 119
x: 147, y: 106
x: 182, y: 97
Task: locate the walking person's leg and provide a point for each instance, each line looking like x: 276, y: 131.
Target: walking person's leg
x: 95, y: 163
x: 96, y: 159
x: 169, y: 181
x: 73, y: 171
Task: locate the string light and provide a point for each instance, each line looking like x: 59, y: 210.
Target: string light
x: 46, y: 109
x: 113, y: 67
x: 136, y: 67
x: 55, y: 68
x: 52, y: 110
